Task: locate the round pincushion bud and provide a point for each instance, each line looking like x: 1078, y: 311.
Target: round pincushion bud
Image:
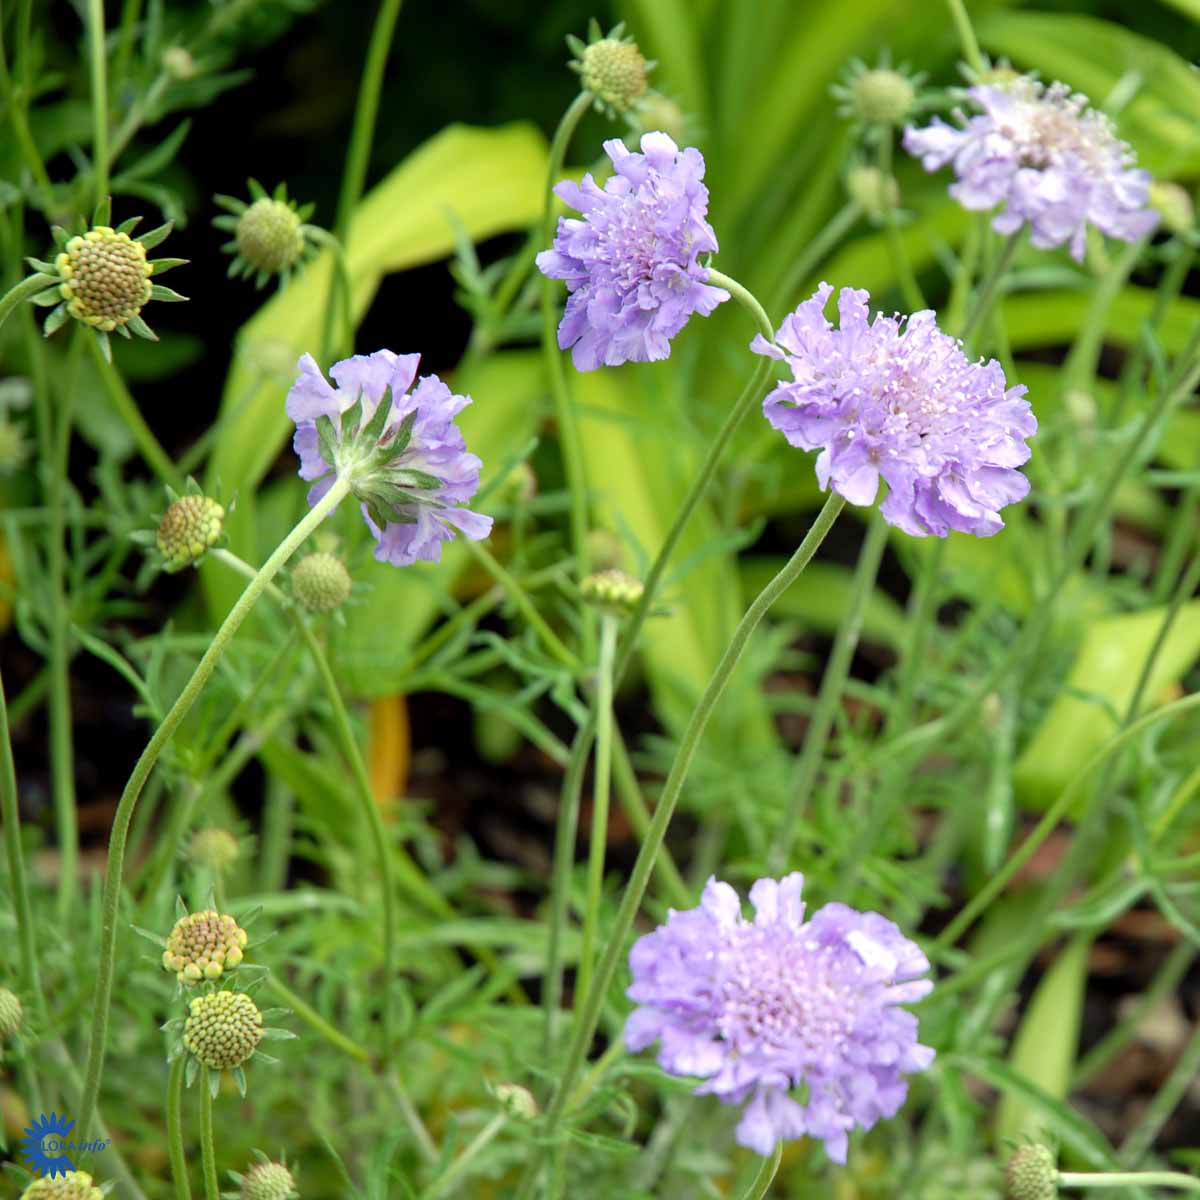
x: 614, y: 72
x: 105, y: 277
x: 517, y: 1101
x: 613, y: 591
x: 71, y: 1185
x: 214, y: 849
x: 872, y: 191
x: 223, y: 1029
x: 1031, y: 1174
x: 11, y: 1014
x: 1174, y: 205
x: 267, y: 1181
x: 189, y: 527
x: 269, y: 236
x: 321, y: 582
x: 202, y: 945
x: 883, y: 96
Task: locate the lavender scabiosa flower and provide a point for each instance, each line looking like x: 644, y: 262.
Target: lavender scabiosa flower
x: 631, y: 264
x: 760, y: 1007
x: 898, y: 398
x: 407, y: 461
x: 1047, y: 157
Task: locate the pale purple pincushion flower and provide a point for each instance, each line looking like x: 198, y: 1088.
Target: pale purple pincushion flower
x: 758, y: 1008
x: 898, y: 398
x: 631, y: 264
x: 409, y: 464
x: 1047, y: 157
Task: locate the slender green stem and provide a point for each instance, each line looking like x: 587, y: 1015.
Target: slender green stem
x: 131, y: 13
x: 1141, y: 1137
x: 920, y: 622
x: 600, y: 797
x: 62, y: 750
x: 766, y: 1175
x: 520, y: 598
x: 989, y: 286
x: 208, y: 1153
x: 155, y: 457
x: 408, y: 1111
x: 471, y: 1151
x: 966, y: 35
x: 179, y: 1169
x: 162, y: 735
x: 18, y: 881
x: 1112, y: 1179
x: 1184, y: 591
x: 568, y: 427
x: 340, y: 287
x: 98, y: 59
x: 910, y: 289
x: 316, y: 1022
x: 1054, y: 814
x: 585, y: 1026
x: 832, y: 687
x: 17, y: 101
x: 815, y: 252
x: 746, y: 299
x: 25, y: 290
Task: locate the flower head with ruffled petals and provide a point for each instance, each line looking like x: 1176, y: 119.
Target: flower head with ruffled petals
x: 1047, y: 157
x: 406, y: 460
x: 898, y: 399
x: 631, y: 265
x: 758, y: 1008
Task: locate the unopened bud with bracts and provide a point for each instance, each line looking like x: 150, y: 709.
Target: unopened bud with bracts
x: 516, y: 1100
x: 264, y: 1180
x: 321, y: 582
x: 612, y: 591
x: 11, y: 1014
x: 69, y: 1185
x: 14, y: 446
x: 877, y: 98
x: 1032, y: 1173
x: 611, y: 68
x: 223, y: 1029
x: 875, y: 193
x: 656, y: 111
x: 270, y: 234
x: 213, y: 849
x: 190, y: 526
x: 202, y: 945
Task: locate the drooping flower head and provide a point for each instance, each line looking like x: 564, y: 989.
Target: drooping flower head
x: 630, y: 264
x: 898, y: 398
x: 406, y: 460
x: 759, y: 1008
x: 1047, y: 157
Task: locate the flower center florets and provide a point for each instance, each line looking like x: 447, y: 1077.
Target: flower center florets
x: 1052, y: 124
x: 105, y: 277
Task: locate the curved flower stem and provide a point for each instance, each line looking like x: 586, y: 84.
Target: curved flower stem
x: 572, y: 788
x: 1053, y: 815
x: 966, y: 35
x: 1112, y: 1179
x: 1142, y: 1136
x: 25, y: 290
x: 564, y: 410
x: 600, y: 796
x: 989, y: 286
x: 476, y: 1145
x: 585, y: 1026
x: 910, y: 289
x: 102, y: 998
x: 208, y: 1154
x: 316, y: 1022
x: 832, y: 685
x: 746, y: 299
x: 98, y: 59
x: 766, y: 1175
x: 179, y: 1170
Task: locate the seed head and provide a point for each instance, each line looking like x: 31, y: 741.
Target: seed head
x: 223, y: 1029
x: 613, y: 591
x: 11, y: 1014
x: 202, y: 945
x: 105, y: 277
x: 269, y: 236
x: 1032, y: 1174
x: 883, y: 96
x: 71, y: 1185
x: 268, y: 1181
x: 321, y: 582
x: 214, y: 849
x: 1174, y: 205
x: 189, y: 527
x: 874, y: 192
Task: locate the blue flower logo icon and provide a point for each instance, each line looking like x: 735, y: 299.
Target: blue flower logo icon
x: 42, y: 1142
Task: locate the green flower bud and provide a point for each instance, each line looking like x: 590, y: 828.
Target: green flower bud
x: 11, y: 1014
x: 871, y: 190
x: 202, y: 945
x: 268, y: 1181
x: 213, y: 849
x: 614, y: 72
x: 223, y: 1030
x: 190, y: 526
x: 517, y: 1101
x: 321, y: 582
x: 605, y: 550
x: 269, y: 236
x: 178, y: 63
x: 71, y: 1185
x: 14, y: 449
x: 105, y: 277
x: 1174, y: 205
x: 883, y: 96
x: 613, y: 591
x: 1032, y: 1174
x: 658, y: 112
